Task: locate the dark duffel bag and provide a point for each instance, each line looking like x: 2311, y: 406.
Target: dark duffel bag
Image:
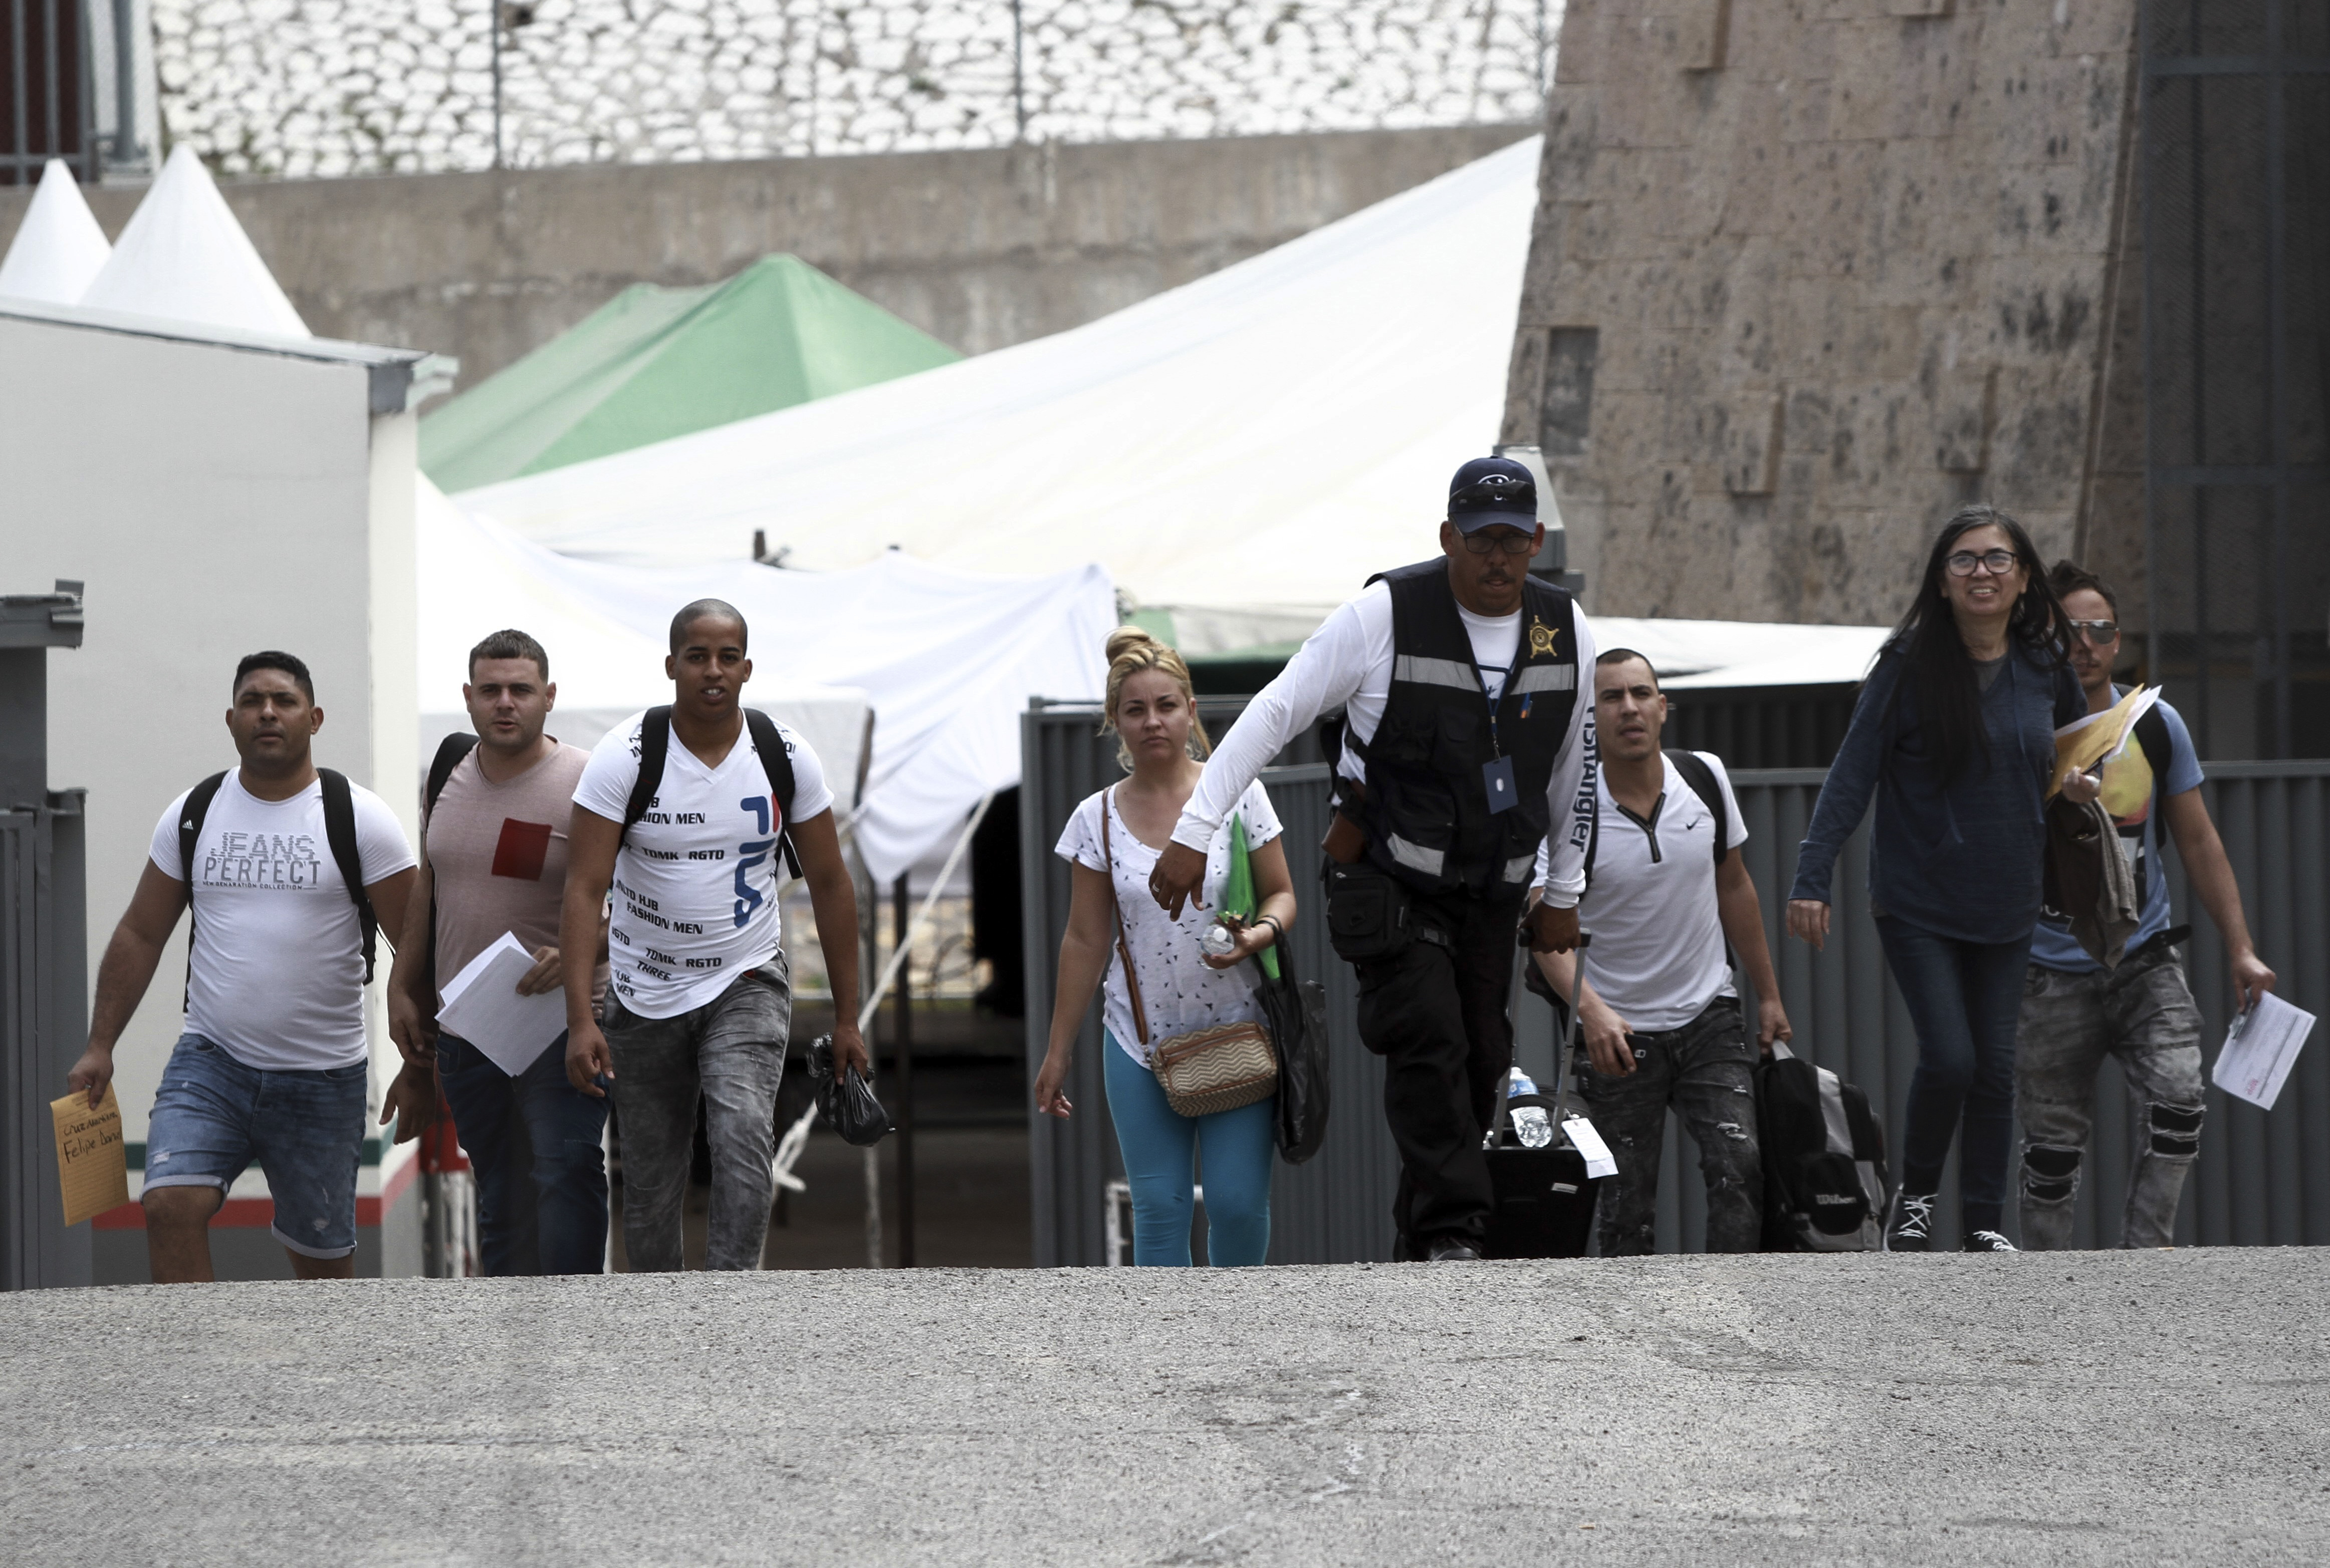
x: 1544, y: 1200
x: 1824, y: 1178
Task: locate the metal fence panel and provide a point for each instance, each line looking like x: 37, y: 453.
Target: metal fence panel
x: 2263, y: 1177
x: 1334, y: 1208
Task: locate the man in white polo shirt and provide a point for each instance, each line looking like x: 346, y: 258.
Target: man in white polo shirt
x: 1665, y: 888
x: 685, y: 812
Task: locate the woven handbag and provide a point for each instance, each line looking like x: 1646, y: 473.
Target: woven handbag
x: 1204, y: 1071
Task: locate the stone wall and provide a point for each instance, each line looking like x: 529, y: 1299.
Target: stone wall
x: 1807, y: 274
x: 981, y: 249
x: 338, y: 87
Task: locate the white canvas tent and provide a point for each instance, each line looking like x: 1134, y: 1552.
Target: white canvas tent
x: 59, y: 249
x: 1702, y: 653
x: 182, y: 255
x: 1268, y: 435
x: 946, y: 658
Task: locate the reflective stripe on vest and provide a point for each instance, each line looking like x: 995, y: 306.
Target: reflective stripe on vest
x: 1415, y: 857
x: 1546, y: 678
x: 1431, y: 672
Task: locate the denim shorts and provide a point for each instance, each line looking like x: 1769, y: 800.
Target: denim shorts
x: 212, y: 1116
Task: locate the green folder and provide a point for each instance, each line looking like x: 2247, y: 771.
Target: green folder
x: 1238, y: 894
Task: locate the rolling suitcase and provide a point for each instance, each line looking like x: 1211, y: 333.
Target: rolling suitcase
x: 1544, y: 1199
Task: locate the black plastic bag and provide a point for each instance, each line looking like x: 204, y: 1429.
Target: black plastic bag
x: 849, y: 1108
x: 1295, y: 1013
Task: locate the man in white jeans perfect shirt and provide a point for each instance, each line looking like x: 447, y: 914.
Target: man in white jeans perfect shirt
x: 1464, y: 744
x: 273, y: 1064
x: 1666, y: 889
x: 699, y: 996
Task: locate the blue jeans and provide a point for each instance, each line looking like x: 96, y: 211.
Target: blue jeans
x: 1965, y: 999
x: 214, y: 1115
x: 1160, y: 1155
x: 534, y: 1143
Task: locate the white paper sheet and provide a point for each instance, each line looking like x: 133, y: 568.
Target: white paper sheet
x: 2260, y: 1048
x: 482, y: 1006
x: 1588, y: 1142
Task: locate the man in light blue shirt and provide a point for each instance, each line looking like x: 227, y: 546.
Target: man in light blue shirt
x: 2076, y: 1012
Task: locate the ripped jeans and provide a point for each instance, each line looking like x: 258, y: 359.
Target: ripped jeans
x: 2143, y: 1015
x: 1706, y: 1071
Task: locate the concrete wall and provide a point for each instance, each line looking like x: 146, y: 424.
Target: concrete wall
x: 1808, y: 274
x: 217, y: 501
x: 980, y: 250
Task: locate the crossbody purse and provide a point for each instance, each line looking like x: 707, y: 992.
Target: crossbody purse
x: 1204, y: 1071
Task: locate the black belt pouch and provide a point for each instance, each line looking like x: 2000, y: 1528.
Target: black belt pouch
x: 1368, y: 913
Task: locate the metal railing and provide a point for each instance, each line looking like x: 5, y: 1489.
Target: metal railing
x: 2263, y: 1177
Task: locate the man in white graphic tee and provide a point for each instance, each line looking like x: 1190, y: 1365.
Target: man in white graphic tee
x: 273, y: 1066
x: 684, y: 811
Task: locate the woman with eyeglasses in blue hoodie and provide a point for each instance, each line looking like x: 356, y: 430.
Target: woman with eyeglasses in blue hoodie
x: 1954, y: 734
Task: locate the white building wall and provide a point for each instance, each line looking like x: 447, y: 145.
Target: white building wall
x: 215, y: 501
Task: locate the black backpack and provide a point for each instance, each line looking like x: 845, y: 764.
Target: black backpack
x: 449, y: 752
x: 1825, y: 1185
x: 655, y: 747
x: 339, y: 833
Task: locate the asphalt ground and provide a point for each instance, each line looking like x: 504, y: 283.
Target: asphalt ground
x: 2062, y: 1408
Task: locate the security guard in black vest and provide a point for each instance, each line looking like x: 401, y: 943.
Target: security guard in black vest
x: 1463, y: 744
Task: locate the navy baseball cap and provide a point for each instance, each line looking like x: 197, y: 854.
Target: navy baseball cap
x: 1492, y: 492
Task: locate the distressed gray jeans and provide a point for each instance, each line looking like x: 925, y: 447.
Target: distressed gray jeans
x: 2142, y: 1013
x: 1706, y: 1072
x: 730, y: 1054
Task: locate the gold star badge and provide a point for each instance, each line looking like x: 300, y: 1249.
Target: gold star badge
x: 1540, y: 637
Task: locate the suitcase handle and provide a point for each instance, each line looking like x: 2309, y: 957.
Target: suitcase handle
x: 1560, y: 1054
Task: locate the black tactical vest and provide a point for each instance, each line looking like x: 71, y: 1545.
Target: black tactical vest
x: 1428, y: 811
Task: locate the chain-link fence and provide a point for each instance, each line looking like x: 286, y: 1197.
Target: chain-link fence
x: 339, y: 86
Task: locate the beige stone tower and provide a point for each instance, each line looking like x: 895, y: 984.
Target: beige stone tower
x: 1807, y: 274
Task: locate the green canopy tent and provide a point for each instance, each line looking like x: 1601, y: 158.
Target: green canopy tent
x: 654, y: 363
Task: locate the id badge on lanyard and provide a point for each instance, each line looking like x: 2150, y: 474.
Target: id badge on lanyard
x: 1497, y: 777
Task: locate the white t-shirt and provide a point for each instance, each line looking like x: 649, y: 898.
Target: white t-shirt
x: 277, y: 962
x: 1657, y: 955
x: 696, y: 881
x: 1348, y: 663
x: 1179, y: 992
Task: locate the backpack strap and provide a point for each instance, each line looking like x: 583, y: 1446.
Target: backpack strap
x: 777, y: 763
x: 449, y: 752
x: 190, y: 829
x: 340, y: 833
x: 2159, y: 750
x: 655, y: 746
x: 1701, y: 779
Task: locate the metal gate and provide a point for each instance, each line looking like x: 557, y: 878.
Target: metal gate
x: 45, y: 102
x: 2235, y: 138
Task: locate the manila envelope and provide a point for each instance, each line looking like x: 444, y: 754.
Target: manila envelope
x: 92, y: 1162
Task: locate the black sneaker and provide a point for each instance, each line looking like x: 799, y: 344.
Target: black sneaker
x: 1988, y: 1242
x: 1912, y: 1229
x: 1452, y: 1250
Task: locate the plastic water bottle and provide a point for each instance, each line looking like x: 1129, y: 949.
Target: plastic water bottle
x: 1218, y: 940
x: 1532, y: 1125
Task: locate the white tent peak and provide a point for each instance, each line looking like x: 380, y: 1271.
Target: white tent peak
x: 59, y: 249
x: 183, y: 256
